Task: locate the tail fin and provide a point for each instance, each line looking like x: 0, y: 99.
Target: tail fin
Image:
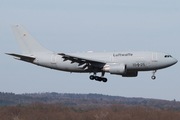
x: 27, y: 42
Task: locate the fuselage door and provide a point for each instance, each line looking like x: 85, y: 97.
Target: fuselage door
x: 154, y: 57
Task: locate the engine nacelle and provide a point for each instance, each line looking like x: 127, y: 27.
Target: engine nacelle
x: 119, y: 69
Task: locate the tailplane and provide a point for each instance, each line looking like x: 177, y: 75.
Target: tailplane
x: 27, y: 42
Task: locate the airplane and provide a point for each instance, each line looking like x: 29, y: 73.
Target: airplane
x: 126, y: 64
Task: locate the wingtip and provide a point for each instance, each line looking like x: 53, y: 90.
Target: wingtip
x: 7, y: 53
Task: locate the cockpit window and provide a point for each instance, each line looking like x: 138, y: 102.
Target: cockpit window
x: 167, y: 56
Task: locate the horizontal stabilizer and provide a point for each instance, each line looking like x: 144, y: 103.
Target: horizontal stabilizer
x: 22, y: 57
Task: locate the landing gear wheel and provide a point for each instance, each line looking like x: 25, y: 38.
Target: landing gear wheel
x: 97, y: 78
x: 153, y: 77
x: 92, y: 77
x: 104, y: 79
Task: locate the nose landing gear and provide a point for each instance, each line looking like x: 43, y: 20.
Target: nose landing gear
x: 153, y: 76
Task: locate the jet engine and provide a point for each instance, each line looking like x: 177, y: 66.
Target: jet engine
x: 119, y: 69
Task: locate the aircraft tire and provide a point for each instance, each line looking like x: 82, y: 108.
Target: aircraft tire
x: 92, y: 77
x: 153, y: 77
x: 104, y: 79
x: 97, y: 78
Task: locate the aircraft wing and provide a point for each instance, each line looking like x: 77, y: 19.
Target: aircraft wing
x: 94, y: 62
x: 22, y: 57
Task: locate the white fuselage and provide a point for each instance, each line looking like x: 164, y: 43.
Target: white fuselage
x: 135, y: 61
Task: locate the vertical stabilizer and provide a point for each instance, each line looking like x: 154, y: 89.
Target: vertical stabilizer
x: 27, y: 42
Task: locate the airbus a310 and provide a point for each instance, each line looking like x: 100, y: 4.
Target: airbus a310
x: 126, y: 64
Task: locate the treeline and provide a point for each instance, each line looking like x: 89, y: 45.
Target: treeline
x: 83, y: 101
x: 42, y: 111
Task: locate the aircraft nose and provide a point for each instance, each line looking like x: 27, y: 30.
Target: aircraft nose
x: 175, y: 60
x: 172, y: 61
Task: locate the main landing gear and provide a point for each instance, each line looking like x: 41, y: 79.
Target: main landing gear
x: 97, y: 78
x: 153, y: 76
x: 92, y: 77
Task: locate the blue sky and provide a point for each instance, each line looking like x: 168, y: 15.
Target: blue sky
x: 94, y: 25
